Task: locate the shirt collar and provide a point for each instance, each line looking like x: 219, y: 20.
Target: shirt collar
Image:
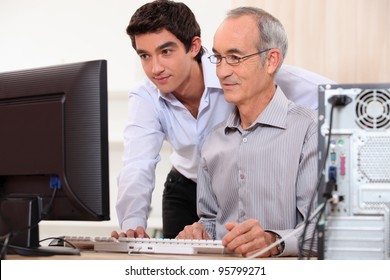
x: 275, y: 114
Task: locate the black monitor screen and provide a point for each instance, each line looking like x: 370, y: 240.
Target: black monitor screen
x: 53, y: 147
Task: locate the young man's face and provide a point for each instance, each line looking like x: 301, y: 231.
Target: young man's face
x: 164, y: 60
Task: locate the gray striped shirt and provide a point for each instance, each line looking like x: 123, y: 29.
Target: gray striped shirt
x: 267, y: 172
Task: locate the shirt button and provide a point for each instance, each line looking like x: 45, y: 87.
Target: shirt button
x: 244, y: 140
x: 242, y: 176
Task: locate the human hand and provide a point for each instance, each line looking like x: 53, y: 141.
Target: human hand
x: 139, y: 232
x: 194, y: 231
x: 248, y: 238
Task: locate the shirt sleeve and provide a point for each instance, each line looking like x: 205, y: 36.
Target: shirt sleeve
x: 300, y: 85
x: 306, y: 193
x: 207, y: 203
x: 143, y: 139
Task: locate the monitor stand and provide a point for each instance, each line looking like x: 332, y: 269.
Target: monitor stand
x: 20, y: 216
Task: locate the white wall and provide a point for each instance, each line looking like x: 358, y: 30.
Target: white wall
x: 36, y: 33
x: 45, y: 32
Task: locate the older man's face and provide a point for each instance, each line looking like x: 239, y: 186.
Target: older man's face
x: 242, y: 83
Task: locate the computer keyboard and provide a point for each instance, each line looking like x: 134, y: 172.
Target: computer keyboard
x: 148, y: 245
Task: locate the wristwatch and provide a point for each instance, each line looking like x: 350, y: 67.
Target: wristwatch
x: 280, y: 246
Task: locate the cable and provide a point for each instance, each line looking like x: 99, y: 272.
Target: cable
x: 316, y: 226
x: 339, y: 101
x: 5, y: 246
x: 284, y: 238
x: 14, y: 233
x: 47, y: 209
x: 62, y: 239
x: 319, y: 179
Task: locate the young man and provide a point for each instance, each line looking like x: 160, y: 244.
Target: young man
x: 258, y: 169
x: 180, y: 102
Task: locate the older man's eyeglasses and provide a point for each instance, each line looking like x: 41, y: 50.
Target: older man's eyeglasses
x: 231, y: 59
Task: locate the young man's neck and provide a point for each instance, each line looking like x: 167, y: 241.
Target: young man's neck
x: 191, y: 94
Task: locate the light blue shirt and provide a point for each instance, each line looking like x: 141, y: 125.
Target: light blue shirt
x: 153, y: 118
x: 300, y: 85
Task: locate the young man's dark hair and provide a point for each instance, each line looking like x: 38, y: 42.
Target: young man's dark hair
x: 177, y: 19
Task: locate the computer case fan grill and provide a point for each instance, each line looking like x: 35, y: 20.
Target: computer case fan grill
x: 373, y: 109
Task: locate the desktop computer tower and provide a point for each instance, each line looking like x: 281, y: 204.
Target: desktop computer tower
x: 354, y: 159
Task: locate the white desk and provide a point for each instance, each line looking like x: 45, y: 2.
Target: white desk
x: 93, y: 255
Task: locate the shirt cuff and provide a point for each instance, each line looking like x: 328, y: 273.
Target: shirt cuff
x: 290, y: 244
x: 133, y: 224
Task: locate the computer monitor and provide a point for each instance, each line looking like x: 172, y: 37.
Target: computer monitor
x: 53, y: 150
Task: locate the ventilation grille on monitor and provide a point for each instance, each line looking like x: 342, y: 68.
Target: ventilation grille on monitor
x: 373, y: 159
x: 373, y: 109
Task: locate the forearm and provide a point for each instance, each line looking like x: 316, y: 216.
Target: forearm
x: 133, y: 200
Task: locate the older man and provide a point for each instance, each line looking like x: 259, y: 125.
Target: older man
x: 258, y: 169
